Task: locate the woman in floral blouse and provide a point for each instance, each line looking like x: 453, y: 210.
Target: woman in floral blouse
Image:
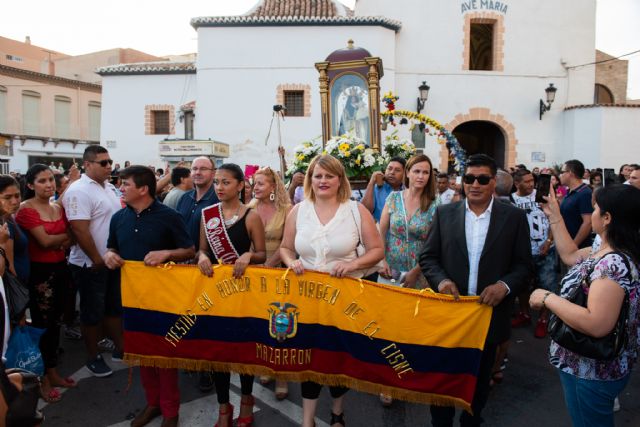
x: 405, y: 221
x: 611, y: 271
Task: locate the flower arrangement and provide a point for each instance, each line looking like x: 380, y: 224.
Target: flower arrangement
x: 303, y: 154
x: 389, y: 100
x: 393, y: 146
x: 358, y: 160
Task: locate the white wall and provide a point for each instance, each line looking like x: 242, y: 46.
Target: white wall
x: 603, y: 136
x: 123, y: 107
x: 240, y: 68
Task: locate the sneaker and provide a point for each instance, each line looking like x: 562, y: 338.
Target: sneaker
x: 72, y: 333
x: 521, y: 319
x: 117, y: 356
x: 205, y: 383
x: 616, y: 405
x: 99, y: 368
x: 541, y: 329
x: 106, y: 344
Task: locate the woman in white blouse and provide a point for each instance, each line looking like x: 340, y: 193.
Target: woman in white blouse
x: 324, y: 230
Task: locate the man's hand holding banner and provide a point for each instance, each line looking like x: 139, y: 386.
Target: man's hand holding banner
x: 412, y: 345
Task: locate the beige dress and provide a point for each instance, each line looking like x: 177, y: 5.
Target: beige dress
x: 273, y: 230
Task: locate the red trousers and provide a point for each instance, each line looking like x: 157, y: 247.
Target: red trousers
x: 161, y: 389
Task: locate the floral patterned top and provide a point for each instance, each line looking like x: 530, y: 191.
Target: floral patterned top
x: 405, y: 240
x: 611, y: 266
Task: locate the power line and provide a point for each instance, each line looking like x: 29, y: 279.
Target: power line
x: 605, y: 60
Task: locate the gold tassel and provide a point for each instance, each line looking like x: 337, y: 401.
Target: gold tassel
x: 326, y: 379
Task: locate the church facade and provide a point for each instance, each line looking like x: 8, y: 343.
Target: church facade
x: 487, y: 63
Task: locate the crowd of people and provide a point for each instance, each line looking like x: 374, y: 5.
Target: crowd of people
x: 484, y: 233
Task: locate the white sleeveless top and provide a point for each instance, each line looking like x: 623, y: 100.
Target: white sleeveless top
x: 319, y: 246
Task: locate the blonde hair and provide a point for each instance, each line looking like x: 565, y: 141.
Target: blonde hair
x: 282, y: 201
x: 333, y: 166
x: 429, y: 192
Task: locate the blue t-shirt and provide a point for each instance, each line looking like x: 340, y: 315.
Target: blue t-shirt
x: 380, y: 195
x: 20, y: 251
x: 157, y: 227
x: 191, y: 211
x: 575, y: 204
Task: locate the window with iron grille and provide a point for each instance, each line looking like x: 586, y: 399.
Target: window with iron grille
x: 294, y: 102
x: 160, y: 122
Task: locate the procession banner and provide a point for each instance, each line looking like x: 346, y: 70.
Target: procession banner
x: 412, y: 345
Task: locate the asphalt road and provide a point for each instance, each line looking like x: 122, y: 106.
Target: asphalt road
x: 530, y: 395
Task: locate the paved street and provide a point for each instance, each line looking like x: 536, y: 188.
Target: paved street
x: 529, y: 396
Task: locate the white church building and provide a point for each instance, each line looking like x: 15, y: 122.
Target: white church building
x: 487, y: 63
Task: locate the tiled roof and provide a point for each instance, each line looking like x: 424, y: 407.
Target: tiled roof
x: 316, y: 8
x: 261, y: 21
x: 148, y: 68
x: 576, y: 107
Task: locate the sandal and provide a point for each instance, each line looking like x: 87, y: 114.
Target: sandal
x: 282, y: 390
x: 228, y: 410
x: 337, y: 419
x: 67, y: 382
x: 496, y: 378
x: 52, y: 396
x: 386, y: 400
x: 248, y: 420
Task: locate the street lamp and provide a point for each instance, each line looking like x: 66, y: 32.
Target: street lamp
x: 551, y: 96
x: 424, y: 95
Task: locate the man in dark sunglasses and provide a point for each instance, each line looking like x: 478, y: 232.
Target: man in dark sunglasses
x: 89, y: 204
x: 478, y: 247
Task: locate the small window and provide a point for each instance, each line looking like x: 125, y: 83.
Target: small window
x: 481, y: 47
x: 294, y: 102
x: 418, y: 137
x: 189, y: 117
x: 94, y: 120
x: 160, y: 122
x: 602, y: 95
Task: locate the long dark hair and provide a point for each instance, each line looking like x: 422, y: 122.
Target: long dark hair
x: 237, y: 173
x: 622, y: 202
x: 429, y: 192
x: 7, y: 181
x: 30, y: 178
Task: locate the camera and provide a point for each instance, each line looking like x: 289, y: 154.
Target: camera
x: 277, y: 108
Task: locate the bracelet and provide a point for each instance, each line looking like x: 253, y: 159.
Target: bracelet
x: 544, y: 298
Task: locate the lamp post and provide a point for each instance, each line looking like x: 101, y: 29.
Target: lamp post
x: 424, y: 95
x: 551, y: 96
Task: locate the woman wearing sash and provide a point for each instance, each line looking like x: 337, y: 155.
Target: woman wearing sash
x: 272, y: 204
x: 325, y: 230
x: 229, y: 231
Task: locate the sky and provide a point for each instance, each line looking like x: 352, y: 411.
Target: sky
x: 161, y: 27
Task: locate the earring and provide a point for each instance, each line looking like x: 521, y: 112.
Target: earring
x: 272, y: 196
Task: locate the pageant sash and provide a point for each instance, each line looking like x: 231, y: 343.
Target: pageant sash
x: 216, y: 232
x: 412, y: 345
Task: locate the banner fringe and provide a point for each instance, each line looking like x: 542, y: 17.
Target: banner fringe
x: 330, y: 380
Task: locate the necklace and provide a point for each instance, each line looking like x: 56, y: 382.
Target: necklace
x: 233, y: 219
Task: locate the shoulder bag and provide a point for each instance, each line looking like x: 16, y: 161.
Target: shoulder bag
x: 606, y: 348
x: 16, y: 292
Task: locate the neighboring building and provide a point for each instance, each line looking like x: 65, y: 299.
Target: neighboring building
x: 45, y: 119
x: 50, y: 103
x: 83, y: 67
x: 488, y: 64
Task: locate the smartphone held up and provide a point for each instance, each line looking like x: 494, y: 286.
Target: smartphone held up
x: 542, y: 187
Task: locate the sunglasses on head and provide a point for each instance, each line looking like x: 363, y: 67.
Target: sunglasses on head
x: 102, y: 163
x: 482, y: 179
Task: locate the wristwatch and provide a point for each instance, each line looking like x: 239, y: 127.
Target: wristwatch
x: 544, y: 298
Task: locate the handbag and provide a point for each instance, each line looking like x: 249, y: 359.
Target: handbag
x: 17, y: 294
x: 23, y: 349
x: 606, y: 348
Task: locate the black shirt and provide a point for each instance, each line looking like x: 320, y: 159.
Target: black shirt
x: 191, y: 211
x: 156, y: 228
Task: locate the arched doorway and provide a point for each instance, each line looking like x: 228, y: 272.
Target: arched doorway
x: 479, y: 136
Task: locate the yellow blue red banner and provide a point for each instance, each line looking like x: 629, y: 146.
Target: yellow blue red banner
x: 413, y: 345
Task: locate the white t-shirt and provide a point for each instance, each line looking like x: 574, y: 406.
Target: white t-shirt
x: 538, y: 222
x: 85, y: 199
x: 447, y: 196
